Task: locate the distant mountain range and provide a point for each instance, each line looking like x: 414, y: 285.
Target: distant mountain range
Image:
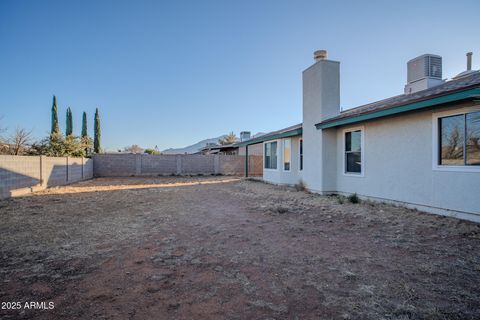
x: 197, y: 146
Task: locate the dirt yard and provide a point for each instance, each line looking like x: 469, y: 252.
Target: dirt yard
x: 222, y: 248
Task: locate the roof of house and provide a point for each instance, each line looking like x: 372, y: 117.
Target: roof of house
x: 219, y: 146
x: 282, y: 133
x: 466, y: 87
x: 454, y: 90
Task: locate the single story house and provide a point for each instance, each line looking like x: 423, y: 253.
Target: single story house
x: 420, y: 149
x: 226, y: 149
x: 238, y: 148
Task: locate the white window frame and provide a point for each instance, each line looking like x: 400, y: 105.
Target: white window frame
x: 264, y: 156
x: 283, y: 155
x: 435, y: 140
x: 362, y: 153
x: 300, y: 168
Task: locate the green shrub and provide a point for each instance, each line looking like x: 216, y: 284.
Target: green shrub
x: 153, y: 152
x: 353, y: 198
x: 56, y: 145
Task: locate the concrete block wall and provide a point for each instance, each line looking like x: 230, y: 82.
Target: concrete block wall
x: 75, y: 169
x: 87, y: 168
x: 54, y: 171
x: 161, y: 164
x: 24, y: 174
x: 198, y: 164
x: 18, y: 172
x: 118, y: 165
x: 113, y: 165
x: 231, y: 164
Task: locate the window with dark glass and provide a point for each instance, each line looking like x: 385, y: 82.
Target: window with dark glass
x: 271, y: 155
x: 459, y: 140
x: 353, y: 151
x: 301, y: 154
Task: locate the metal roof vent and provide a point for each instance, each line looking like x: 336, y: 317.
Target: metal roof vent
x: 469, y: 70
x: 424, y: 72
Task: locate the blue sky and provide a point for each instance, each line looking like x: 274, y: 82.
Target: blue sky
x: 171, y: 73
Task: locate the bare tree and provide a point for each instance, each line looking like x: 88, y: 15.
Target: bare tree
x: 19, y: 141
x: 3, y: 142
x: 134, y: 148
x: 2, y: 130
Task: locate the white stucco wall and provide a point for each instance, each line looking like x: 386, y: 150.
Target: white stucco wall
x: 279, y: 175
x: 398, y: 164
x: 398, y: 156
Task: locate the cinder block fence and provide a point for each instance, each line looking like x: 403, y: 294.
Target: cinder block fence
x: 118, y: 165
x: 21, y: 174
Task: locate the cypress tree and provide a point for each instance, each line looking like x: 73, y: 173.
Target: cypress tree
x: 96, y: 128
x: 55, y: 127
x: 69, y: 127
x: 84, y: 125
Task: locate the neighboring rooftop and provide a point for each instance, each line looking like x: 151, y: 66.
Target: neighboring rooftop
x: 463, y: 84
x: 219, y: 146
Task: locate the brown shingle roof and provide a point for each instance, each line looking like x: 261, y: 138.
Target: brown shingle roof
x: 294, y: 130
x: 464, y: 83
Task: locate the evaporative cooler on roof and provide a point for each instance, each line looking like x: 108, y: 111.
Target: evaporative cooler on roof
x: 423, y: 72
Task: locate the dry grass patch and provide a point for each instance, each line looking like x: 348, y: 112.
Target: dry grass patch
x: 217, y: 247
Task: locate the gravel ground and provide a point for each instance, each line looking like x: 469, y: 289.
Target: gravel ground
x: 225, y: 248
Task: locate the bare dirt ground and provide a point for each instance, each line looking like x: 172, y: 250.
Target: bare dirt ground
x: 222, y: 248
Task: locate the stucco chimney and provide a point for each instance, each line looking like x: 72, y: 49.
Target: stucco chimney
x: 321, y: 89
x: 321, y: 100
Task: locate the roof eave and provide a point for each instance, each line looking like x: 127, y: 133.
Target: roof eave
x: 423, y: 104
x: 292, y: 133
